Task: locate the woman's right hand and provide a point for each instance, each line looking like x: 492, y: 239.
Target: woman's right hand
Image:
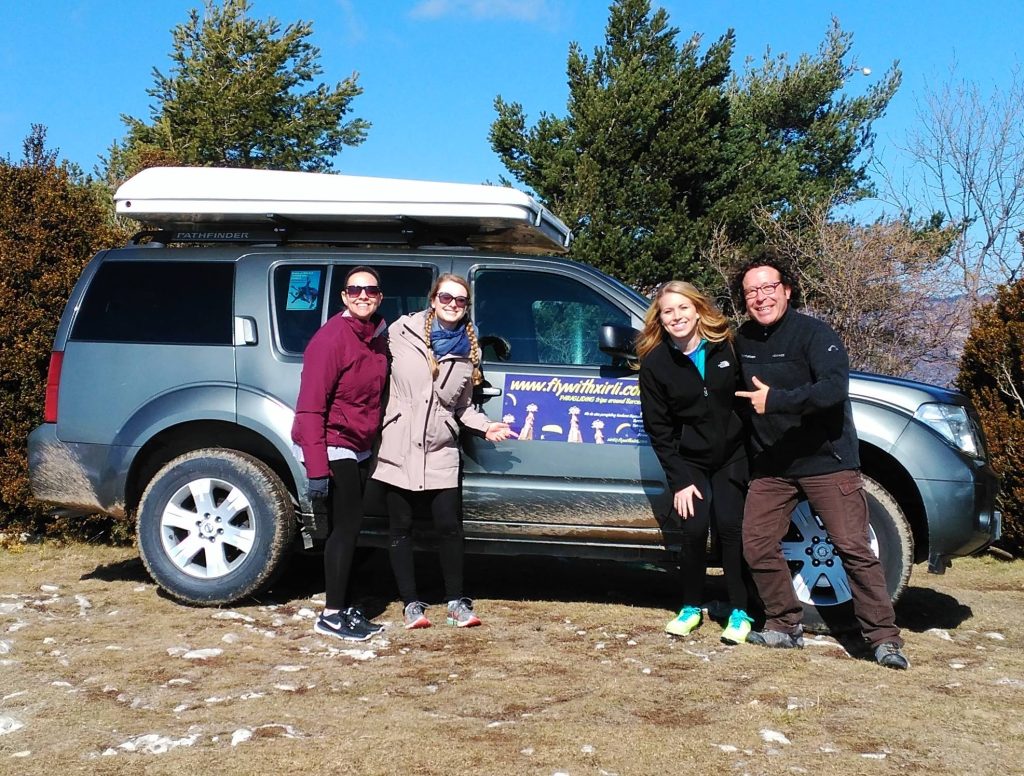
x: 683, y: 501
x: 317, y: 488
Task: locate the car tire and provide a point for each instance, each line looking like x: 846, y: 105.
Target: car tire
x: 823, y: 589
x: 215, y: 525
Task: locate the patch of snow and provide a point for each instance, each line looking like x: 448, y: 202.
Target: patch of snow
x: 9, y: 725
x: 241, y: 735
x: 359, y: 654
x: 232, y: 616
x: 773, y: 737
x: 203, y: 654
x: 152, y: 743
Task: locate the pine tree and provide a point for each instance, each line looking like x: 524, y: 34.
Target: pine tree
x: 240, y: 94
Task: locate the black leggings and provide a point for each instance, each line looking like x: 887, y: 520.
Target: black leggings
x: 722, y: 508
x: 348, y: 478
x: 445, y: 508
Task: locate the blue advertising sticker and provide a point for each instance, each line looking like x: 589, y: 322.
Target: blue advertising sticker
x: 590, y: 410
x: 303, y: 289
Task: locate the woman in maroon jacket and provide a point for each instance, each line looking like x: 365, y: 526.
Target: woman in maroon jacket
x: 688, y: 378
x: 337, y: 417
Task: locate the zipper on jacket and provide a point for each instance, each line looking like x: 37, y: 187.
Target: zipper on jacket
x: 451, y: 368
x: 389, y: 422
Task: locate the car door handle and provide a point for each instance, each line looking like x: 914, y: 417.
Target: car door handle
x: 245, y: 330
x: 487, y: 392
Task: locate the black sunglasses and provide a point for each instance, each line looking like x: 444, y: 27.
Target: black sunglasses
x: 370, y: 291
x: 445, y: 298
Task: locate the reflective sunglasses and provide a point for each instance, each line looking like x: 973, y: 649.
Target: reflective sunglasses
x: 445, y: 298
x: 371, y: 291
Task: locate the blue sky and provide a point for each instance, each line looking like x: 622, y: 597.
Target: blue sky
x: 431, y: 68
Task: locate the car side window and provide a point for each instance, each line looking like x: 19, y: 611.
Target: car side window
x: 536, y: 317
x: 298, y: 303
x: 300, y: 297
x: 405, y: 289
x: 160, y: 302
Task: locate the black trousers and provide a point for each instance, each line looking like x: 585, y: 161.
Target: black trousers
x: 348, y: 481
x: 721, y: 509
x: 445, y: 507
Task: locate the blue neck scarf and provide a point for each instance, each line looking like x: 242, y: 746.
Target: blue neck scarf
x: 448, y: 341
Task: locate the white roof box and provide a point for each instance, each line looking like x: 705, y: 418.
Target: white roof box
x: 484, y: 216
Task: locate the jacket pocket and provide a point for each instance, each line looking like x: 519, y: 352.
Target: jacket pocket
x: 850, y: 482
x: 453, y: 429
x: 393, y: 442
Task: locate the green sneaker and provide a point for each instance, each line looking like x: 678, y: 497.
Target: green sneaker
x: 738, y: 627
x: 685, y: 622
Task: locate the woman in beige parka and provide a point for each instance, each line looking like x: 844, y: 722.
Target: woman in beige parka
x: 435, y: 361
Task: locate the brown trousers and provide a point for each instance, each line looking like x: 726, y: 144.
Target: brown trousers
x: 839, y: 500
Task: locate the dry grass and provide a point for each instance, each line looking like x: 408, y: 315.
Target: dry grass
x: 570, y: 673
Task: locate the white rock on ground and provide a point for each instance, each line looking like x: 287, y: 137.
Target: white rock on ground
x: 941, y: 633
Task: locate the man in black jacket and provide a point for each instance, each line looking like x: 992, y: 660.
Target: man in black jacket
x: 803, y: 445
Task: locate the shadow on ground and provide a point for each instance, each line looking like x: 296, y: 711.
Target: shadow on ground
x: 529, y: 578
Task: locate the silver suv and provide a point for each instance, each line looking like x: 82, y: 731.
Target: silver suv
x: 175, y: 368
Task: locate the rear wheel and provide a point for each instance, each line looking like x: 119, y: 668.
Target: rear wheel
x: 214, y: 526
x: 819, y: 578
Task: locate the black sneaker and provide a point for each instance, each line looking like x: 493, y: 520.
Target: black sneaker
x: 338, y: 625
x: 888, y: 654
x: 777, y: 639
x: 357, y: 621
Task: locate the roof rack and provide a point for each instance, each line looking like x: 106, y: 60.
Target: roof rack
x: 216, y: 205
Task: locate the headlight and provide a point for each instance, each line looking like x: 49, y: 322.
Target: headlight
x: 953, y: 422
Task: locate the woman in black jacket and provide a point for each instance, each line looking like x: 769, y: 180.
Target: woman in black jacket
x: 688, y: 378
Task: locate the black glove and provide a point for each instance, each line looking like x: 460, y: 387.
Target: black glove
x: 317, y: 488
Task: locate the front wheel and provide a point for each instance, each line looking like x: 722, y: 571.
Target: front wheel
x: 819, y: 578
x: 214, y: 526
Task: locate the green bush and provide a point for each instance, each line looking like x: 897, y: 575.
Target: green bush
x: 992, y: 374
x: 52, y: 219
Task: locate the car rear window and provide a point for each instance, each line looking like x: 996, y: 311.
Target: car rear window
x: 165, y: 302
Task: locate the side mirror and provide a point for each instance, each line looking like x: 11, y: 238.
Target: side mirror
x: 619, y: 342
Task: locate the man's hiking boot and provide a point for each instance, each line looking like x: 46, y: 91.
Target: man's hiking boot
x: 888, y: 654
x: 777, y: 639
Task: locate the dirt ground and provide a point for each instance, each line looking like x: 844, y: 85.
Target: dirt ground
x: 570, y: 674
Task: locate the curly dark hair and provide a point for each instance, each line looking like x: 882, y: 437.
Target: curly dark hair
x: 765, y: 257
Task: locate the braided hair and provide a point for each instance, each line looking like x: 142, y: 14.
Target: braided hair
x: 474, y: 346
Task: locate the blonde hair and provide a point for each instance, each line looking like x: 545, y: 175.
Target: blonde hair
x: 474, y: 347
x: 712, y: 325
